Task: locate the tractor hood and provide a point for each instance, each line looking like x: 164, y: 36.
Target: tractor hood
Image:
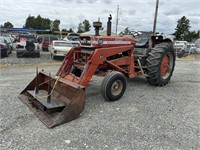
x: 106, y: 41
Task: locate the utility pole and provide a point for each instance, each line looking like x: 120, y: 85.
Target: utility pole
x: 155, y: 18
x: 117, y: 18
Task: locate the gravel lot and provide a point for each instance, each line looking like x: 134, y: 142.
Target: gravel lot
x: 13, y: 60
x: 146, y: 117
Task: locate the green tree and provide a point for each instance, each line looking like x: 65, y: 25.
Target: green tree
x: 80, y: 28
x: 46, y: 23
x: 43, y: 23
x: 8, y: 24
x: 30, y: 22
x: 39, y: 22
x: 70, y: 30
x: 66, y: 30
x: 191, y: 36
x: 56, y: 24
x: 182, y: 29
x: 86, y: 25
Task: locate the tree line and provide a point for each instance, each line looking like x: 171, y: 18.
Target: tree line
x: 182, y: 30
x: 53, y: 25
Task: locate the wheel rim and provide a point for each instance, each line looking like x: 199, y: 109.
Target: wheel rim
x: 166, y: 65
x: 117, y: 87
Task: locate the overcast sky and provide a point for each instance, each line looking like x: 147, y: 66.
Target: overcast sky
x: 138, y: 15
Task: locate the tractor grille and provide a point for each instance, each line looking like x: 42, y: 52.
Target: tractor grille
x: 86, y: 41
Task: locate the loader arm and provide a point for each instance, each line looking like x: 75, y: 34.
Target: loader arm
x: 67, y: 62
x: 98, y: 58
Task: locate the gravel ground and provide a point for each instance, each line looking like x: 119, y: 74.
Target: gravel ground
x: 13, y: 60
x: 146, y: 117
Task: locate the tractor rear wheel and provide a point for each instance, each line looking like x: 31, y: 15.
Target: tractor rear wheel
x: 113, y: 86
x: 160, y: 64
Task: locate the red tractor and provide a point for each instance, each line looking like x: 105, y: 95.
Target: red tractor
x: 60, y: 98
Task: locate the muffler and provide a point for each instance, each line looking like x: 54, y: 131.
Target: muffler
x: 53, y: 99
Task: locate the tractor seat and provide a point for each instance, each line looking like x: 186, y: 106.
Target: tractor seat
x: 142, y: 43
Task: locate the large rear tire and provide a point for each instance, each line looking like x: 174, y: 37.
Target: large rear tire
x: 113, y: 86
x: 160, y: 64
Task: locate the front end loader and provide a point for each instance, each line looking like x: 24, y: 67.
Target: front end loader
x: 60, y: 98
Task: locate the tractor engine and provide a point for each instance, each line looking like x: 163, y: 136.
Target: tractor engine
x: 92, y: 42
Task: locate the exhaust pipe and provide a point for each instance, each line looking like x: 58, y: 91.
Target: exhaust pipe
x: 109, y: 25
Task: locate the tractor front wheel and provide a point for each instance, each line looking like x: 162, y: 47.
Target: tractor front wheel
x: 160, y: 64
x: 113, y: 86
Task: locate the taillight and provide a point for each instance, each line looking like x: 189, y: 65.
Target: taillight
x: 46, y: 43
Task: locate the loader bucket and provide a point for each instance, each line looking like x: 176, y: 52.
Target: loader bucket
x: 54, y: 100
